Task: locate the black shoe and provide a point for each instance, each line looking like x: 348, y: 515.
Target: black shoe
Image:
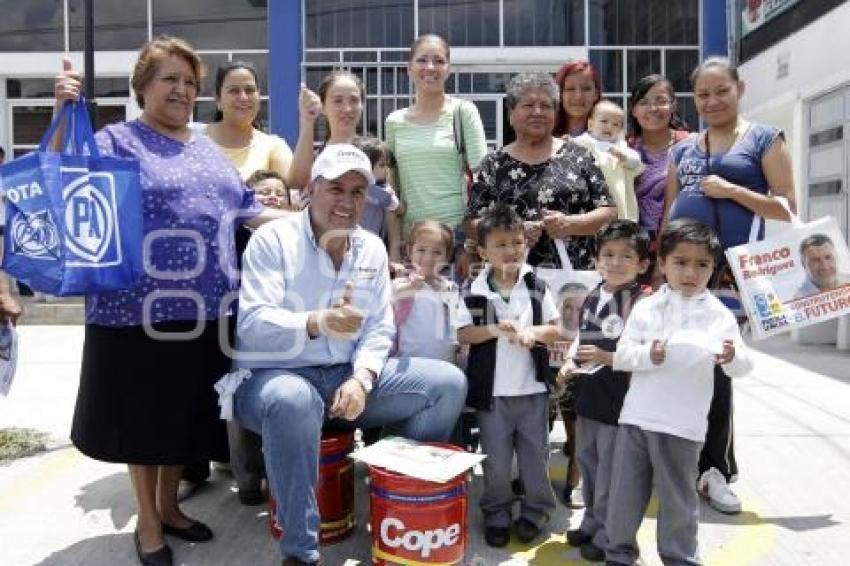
x: 591, y: 552
x: 251, y: 497
x: 497, y: 536
x: 292, y: 561
x: 525, y: 530
x: 196, y: 532
x: 612, y: 563
x: 161, y: 557
x: 517, y: 487
x: 577, y: 537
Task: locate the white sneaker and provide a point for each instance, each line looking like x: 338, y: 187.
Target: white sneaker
x: 713, y: 487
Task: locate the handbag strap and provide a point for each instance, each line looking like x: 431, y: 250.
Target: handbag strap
x: 460, y: 139
x: 83, y: 134
x: 63, y: 116
x: 77, y: 137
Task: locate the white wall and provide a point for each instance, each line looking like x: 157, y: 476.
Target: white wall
x: 818, y: 60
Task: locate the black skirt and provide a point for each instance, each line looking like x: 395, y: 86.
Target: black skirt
x: 151, y: 401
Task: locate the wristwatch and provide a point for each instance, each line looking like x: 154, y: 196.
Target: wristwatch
x: 364, y: 381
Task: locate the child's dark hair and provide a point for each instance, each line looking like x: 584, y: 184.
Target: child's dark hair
x: 497, y: 216
x: 688, y: 231
x: 444, y: 231
x: 375, y: 149
x: 262, y: 175
x: 624, y: 230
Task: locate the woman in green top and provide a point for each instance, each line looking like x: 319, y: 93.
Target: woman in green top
x: 421, y: 137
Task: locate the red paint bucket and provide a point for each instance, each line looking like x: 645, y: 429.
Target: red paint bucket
x: 334, y: 492
x: 417, y: 522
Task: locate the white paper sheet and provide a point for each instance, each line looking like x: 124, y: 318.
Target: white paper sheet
x: 418, y: 460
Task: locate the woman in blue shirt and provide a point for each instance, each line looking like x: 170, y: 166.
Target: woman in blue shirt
x: 731, y: 176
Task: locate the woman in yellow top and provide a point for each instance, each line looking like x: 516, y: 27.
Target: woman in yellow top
x: 237, y: 96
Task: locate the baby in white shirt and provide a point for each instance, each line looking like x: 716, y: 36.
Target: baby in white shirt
x: 619, y: 163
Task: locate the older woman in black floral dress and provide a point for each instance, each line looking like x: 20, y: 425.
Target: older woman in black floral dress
x: 556, y: 187
x: 553, y: 183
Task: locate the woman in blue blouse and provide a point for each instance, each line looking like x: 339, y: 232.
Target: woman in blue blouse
x: 151, y: 353
x: 731, y: 176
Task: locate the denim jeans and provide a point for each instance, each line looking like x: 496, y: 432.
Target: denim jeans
x: 415, y: 397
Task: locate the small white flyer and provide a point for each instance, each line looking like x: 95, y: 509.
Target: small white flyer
x: 8, y: 357
x: 418, y: 460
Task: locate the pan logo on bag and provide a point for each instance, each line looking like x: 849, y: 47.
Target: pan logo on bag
x: 34, y: 235
x: 91, y: 219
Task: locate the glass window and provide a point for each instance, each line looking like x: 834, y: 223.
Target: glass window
x: 490, y: 82
x: 645, y: 22
x: 371, y: 117
x: 371, y: 80
x: 204, y: 111
x: 109, y: 115
x: 29, y: 88
x: 388, y: 80
x: 468, y: 23
x: 544, y: 22
x: 488, y: 109
x: 34, y: 25
x: 366, y: 23
x: 688, y: 111
x: 212, y: 61
x: 609, y: 63
x: 118, y: 25
x: 313, y: 76
x: 640, y: 63
x: 360, y: 56
x: 679, y: 65
x: 116, y: 87
x: 29, y: 123
x: 43, y: 88
x: 321, y: 57
x: 402, y: 81
x: 213, y: 24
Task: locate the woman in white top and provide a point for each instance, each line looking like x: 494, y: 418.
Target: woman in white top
x: 431, y: 170
x: 237, y: 97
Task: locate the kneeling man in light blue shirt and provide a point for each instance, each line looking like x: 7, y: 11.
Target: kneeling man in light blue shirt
x: 315, y: 329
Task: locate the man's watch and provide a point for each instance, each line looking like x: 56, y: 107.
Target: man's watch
x: 364, y: 381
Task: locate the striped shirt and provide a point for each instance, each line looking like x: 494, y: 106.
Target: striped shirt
x: 429, y: 165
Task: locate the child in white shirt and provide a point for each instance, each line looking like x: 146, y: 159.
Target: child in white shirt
x: 671, y: 343
x: 513, y: 319
x: 427, y: 306
x: 605, y: 137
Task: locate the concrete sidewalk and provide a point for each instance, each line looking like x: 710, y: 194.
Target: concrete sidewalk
x: 793, y: 446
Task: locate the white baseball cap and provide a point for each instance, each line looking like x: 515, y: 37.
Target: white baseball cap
x: 338, y: 159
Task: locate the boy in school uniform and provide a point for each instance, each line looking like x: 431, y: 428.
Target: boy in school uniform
x: 671, y: 343
x: 513, y: 318
x: 622, y: 256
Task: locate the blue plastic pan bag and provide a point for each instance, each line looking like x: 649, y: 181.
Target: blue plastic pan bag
x: 73, y: 218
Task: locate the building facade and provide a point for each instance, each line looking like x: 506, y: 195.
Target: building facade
x: 294, y: 41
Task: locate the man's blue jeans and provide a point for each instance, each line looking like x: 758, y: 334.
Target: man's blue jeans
x: 416, y: 398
